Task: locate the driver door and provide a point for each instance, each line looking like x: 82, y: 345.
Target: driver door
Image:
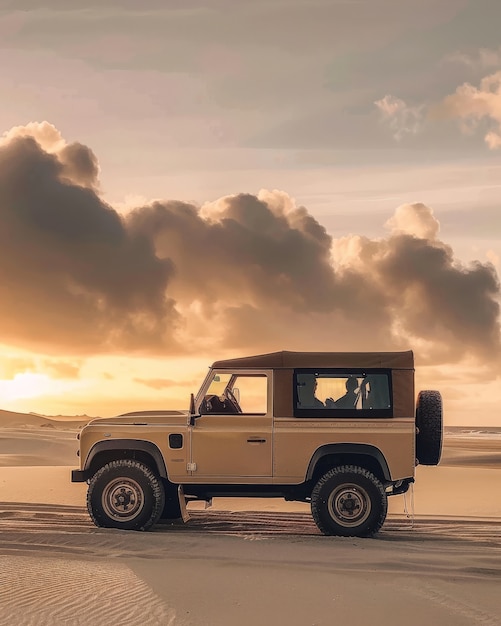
x: 232, y: 438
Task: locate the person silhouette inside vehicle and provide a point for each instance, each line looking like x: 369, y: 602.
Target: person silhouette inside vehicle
x: 307, y: 385
x: 349, y: 400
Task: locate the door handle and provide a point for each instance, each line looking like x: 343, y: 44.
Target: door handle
x: 256, y: 440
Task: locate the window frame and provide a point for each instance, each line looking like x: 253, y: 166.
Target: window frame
x: 235, y: 374
x: 340, y: 413
x: 234, y: 378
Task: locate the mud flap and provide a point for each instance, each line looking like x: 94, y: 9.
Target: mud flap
x: 185, y: 516
x: 175, y: 510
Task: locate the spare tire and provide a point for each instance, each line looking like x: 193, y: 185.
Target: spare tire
x: 429, y: 425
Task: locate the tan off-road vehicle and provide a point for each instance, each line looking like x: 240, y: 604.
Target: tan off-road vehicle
x: 339, y: 430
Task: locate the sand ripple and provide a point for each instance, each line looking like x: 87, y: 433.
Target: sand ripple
x: 57, y: 568
x: 55, y: 591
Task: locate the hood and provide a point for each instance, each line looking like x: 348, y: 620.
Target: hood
x: 168, y: 416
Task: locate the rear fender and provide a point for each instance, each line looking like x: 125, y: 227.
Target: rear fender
x: 345, y: 450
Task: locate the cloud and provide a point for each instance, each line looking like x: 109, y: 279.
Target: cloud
x: 257, y: 249
x: 414, y: 219
x: 475, y: 107
x: 271, y: 276
x: 433, y: 297
x: 471, y: 105
x: 401, y: 118
x: 10, y: 366
x: 431, y: 293
x: 61, y: 369
x: 164, y: 383
x: 77, y: 162
x: 71, y: 274
x: 494, y: 258
x: 482, y: 59
x: 244, y: 273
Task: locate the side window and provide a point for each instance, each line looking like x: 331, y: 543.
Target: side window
x: 342, y: 393
x: 252, y: 393
x: 236, y: 393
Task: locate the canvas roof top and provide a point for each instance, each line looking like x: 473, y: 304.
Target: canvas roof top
x: 286, y: 360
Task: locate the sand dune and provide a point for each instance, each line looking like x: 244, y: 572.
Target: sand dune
x: 27, y: 439
x: 437, y: 559
x: 11, y: 419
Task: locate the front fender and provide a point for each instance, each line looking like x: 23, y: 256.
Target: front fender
x: 131, y: 445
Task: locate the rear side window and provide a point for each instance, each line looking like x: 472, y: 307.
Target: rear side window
x: 342, y: 393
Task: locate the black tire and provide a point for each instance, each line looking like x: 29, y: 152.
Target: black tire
x: 429, y: 424
x: 349, y: 501
x: 125, y: 494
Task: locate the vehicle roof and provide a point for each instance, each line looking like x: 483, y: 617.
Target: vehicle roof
x: 287, y: 360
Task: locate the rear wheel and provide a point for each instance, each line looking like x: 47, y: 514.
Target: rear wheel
x: 349, y: 501
x: 429, y: 427
x: 125, y: 494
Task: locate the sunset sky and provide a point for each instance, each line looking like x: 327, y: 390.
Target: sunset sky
x: 194, y: 180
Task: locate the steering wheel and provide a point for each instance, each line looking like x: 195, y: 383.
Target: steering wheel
x: 230, y: 396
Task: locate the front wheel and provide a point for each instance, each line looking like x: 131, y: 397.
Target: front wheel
x: 349, y: 501
x: 125, y: 494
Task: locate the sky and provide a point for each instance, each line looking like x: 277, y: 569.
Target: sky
x: 182, y: 182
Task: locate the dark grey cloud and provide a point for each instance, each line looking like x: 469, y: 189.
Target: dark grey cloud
x: 268, y: 279
x: 79, y: 164
x: 244, y: 272
x: 243, y: 247
x: 438, y: 300
x: 70, y: 272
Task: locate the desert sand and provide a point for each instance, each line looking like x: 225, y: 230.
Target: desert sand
x: 242, y: 562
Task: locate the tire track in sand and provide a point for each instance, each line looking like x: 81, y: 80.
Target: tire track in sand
x: 468, y: 611
x: 56, y: 592
x: 39, y: 524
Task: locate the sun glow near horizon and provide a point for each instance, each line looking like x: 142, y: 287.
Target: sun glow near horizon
x: 107, y: 386
x: 30, y: 385
x: 103, y: 386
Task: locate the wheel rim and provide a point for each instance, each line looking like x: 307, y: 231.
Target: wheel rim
x: 123, y: 499
x: 349, y: 505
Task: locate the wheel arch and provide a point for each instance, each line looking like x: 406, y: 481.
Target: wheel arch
x: 336, y: 454
x: 104, y: 452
